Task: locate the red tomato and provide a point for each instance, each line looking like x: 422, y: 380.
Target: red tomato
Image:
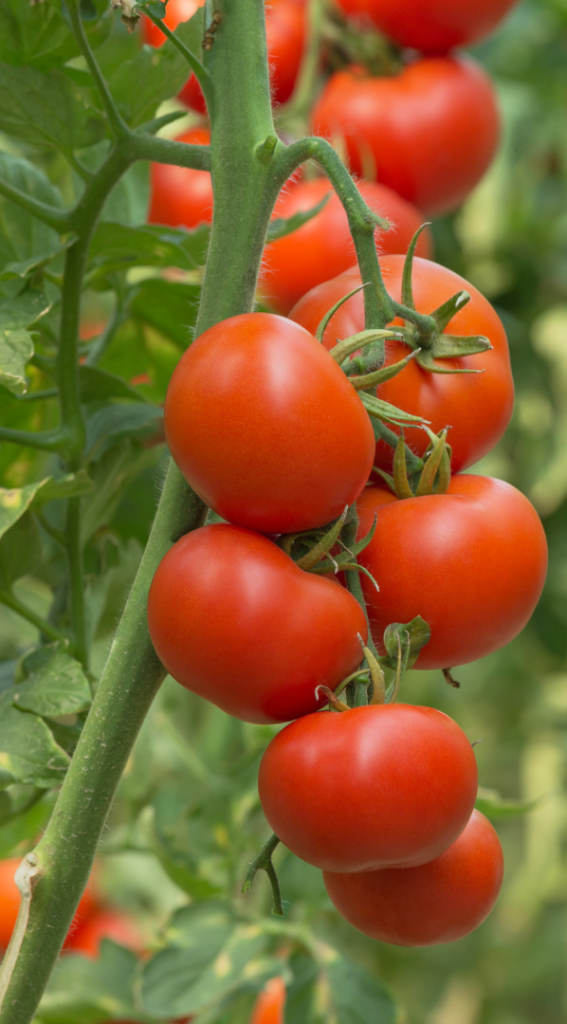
x: 436, y: 902
x: 181, y: 195
x: 432, y: 26
x: 10, y: 901
x: 477, y: 406
x: 429, y: 132
x: 269, y: 1007
x: 323, y: 247
x: 389, y: 785
x: 266, y: 427
x: 235, y: 620
x: 471, y: 562
x: 285, y: 37
x: 106, y: 924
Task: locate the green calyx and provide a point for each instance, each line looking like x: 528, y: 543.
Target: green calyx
x: 433, y: 478
x: 311, y: 551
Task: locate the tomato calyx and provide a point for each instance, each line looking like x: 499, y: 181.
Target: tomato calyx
x: 433, y: 478
x: 313, y: 550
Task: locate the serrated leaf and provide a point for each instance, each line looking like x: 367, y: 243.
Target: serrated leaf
x: 358, y: 996
x: 50, y: 683
x: 91, y: 991
x: 24, y: 310
x: 99, y: 385
x: 280, y: 227
x: 28, y: 752
x: 45, y: 109
x: 118, y: 247
x: 168, y: 306
x: 116, y: 422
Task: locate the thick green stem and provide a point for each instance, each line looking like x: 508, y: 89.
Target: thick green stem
x: 16, y: 605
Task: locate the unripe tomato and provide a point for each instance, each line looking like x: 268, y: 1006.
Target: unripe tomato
x: 269, y: 1006
x: 106, y: 924
x: 432, y: 26
x: 235, y: 620
x: 477, y: 406
x: 323, y: 247
x: 265, y: 426
x: 181, y: 195
x: 10, y: 901
x: 436, y: 902
x: 471, y: 562
x: 389, y: 785
x: 430, y: 132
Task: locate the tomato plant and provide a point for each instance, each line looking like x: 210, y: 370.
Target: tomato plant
x: 487, y: 529
x: 181, y: 195
x: 10, y: 902
x: 476, y: 405
x: 250, y: 442
x: 432, y: 26
x: 440, y: 901
x: 378, y: 786
x: 429, y: 132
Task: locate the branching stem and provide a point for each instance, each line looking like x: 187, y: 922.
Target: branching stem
x: 263, y: 862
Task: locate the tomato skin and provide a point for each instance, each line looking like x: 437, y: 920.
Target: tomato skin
x: 181, y: 195
x: 234, y: 619
x: 430, y: 131
x: 10, y: 901
x: 269, y: 1006
x: 266, y: 427
x: 376, y: 786
x: 440, y: 901
x: 431, y: 26
x: 176, y: 12
x: 106, y: 924
x: 323, y: 247
x: 478, y: 406
x: 471, y: 562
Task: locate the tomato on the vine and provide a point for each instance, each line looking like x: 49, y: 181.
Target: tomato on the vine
x: 471, y: 562
x: 181, y: 195
x: 429, y: 132
x: 266, y: 427
x: 10, y: 901
x: 323, y: 247
x: 234, y: 619
x: 269, y: 1006
x: 376, y: 786
x: 431, y: 26
x: 477, y: 406
x: 440, y: 901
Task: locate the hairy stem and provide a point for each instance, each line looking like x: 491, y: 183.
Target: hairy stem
x: 11, y: 601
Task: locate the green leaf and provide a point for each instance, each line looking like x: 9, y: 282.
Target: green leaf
x: 20, y: 550
x: 15, y: 501
x: 179, y: 866
x: 117, y: 247
x: 301, y: 993
x: 139, y: 86
x: 281, y: 227
x: 99, y: 385
x: 50, y: 682
x: 46, y: 109
x: 116, y: 422
x: 358, y: 996
x: 38, y: 34
x: 491, y: 803
x: 111, y: 474
x: 91, y: 991
x: 28, y: 752
x: 25, y: 242
x: 168, y: 306
x: 16, y: 350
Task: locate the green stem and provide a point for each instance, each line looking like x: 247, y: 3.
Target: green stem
x: 263, y: 862
x: 117, y: 123
x: 76, y: 579
x: 201, y: 74
x: 37, y: 396
x: 11, y: 601
x: 50, y: 215
x: 46, y: 440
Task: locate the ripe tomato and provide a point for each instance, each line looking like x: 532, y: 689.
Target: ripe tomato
x: 471, y: 562
x: 285, y: 38
x: 323, y: 247
x: 432, y: 26
x: 436, y: 902
x: 429, y: 132
x: 269, y: 1006
x: 235, y: 620
x: 389, y: 785
x: 266, y: 427
x: 10, y: 901
x: 181, y: 195
x: 106, y: 924
x: 478, y: 406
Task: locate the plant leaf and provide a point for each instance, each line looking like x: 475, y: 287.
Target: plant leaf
x: 28, y: 752
x: 50, y: 682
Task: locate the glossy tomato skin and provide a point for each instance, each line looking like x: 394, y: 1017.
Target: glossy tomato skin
x: 181, y: 195
x: 437, y: 902
x: 106, y: 924
x: 270, y: 1004
x: 234, y: 619
x: 477, y: 406
x: 430, y: 132
x: 265, y: 426
x: 431, y: 26
x: 323, y: 247
x: 377, y: 786
x: 10, y: 901
x: 471, y: 562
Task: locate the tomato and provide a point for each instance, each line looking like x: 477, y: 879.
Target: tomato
x: 10, y: 901
x: 285, y: 38
x: 377, y: 786
x: 266, y: 427
x: 471, y: 562
x: 106, y: 924
x: 323, y: 247
x: 432, y: 26
x: 235, y: 620
x: 477, y: 406
x: 181, y: 195
x: 430, y: 132
x: 436, y: 902
x: 269, y: 1007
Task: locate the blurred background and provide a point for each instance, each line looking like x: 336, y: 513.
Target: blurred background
x: 187, y: 819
